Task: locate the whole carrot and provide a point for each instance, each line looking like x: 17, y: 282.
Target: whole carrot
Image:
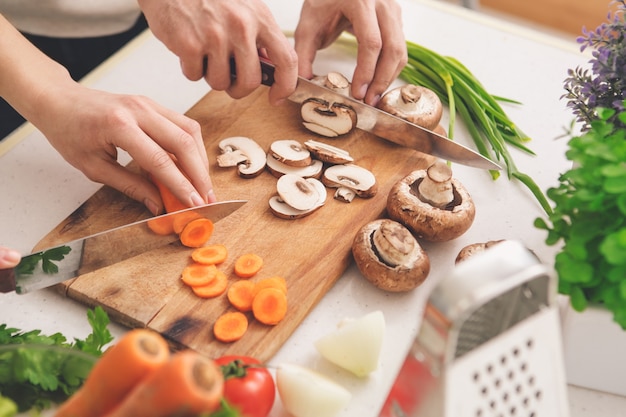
x: 119, y: 369
x: 187, y: 385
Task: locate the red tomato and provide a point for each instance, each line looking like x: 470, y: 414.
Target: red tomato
x: 249, y: 386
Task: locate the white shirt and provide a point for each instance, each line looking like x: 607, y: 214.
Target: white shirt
x: 71, y: 18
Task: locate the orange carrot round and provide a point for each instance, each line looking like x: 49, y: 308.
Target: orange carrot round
x: 137, y: 354
x: 196, y: 274
x: 247, y: 265
x: 215, y: 287
x: 211, y: 254
x: 196, y: 233
x: 240, y: 294
x: 180, y: 220
x: 187, y: 385
x: 269, y: 306
x: 277, y: 282
x: 230, y: 327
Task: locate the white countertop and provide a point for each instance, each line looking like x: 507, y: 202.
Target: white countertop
x: 39, y: 189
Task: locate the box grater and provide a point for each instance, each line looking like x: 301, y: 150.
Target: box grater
x: 489, y: 344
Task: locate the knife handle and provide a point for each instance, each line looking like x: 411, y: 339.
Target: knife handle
x: 7, y: 280
x: 267, y: 71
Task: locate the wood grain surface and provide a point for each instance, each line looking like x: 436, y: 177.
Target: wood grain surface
x: 310, y: 253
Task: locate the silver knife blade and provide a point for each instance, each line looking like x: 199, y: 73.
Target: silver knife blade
x: 385, y: 125
x: 72, y: 259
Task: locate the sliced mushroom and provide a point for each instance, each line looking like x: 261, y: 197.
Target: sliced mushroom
x: 327, y: 119
x: 283, y: 210
x: 243, y: 152
x: 345, y: 194
x: 328, y: 153
x: 297, y: 192
x: 278, y: 169
x: 474, y: 249
x: 357, y: 178
x: 408, y: 206
x: 290, y: 152
x: 334, y: 81
x: 388, y: 255
x: 416, y: 104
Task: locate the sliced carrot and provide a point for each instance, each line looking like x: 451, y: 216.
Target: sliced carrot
x: 210, y: 255
x: 189, y: 384
x: 196, y: 233
x: 162, y: 225
x: 216, y: 287
x: 230, y: 327
x: 240, y: 294
x: 183, y: 219
x: 269, y: 306
x: 170, y: 201
x: 135, y: 356
x: 197, y: 275
x: 248, y: 265
x: 272, y: 282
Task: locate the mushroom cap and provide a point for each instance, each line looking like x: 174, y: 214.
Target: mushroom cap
x: 424, y: 220
x: 283, y: 210
x: 334, y: 81
x: 416, y: 104
x: 328, y: 153
x: 362, y: 181
x: 403, y: 276
x: 278, y: 169
x: 255, y: 155
x: 290, y: 152
x: 298, y: 192
x: 474, y: 249
x: 326, y: 119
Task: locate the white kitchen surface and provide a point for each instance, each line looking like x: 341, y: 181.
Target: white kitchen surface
x: 39, y: 189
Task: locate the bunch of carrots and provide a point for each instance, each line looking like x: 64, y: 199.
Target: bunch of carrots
x: 140, y: 377
x: 266, y: 299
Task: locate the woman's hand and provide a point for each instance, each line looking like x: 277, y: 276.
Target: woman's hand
x: 377, y: 26
x: 9, y: 258
x: 205, y: 34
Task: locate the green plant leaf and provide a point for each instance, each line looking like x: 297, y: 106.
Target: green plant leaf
x: 614, y: 247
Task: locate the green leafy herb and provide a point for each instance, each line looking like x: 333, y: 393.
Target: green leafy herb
x: 47, y: 258
x: 589, y: 217
x: 37, y: 370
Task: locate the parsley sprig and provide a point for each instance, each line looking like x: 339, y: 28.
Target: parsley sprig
x: 589, y: 217
x: 38, y: 370
x: 47, y: 258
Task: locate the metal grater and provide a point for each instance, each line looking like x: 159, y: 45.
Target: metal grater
x: 489, y: 344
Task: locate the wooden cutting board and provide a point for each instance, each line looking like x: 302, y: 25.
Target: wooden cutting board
x: 310, y: 253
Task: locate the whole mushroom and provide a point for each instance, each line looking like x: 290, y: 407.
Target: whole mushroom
x: 389, y: 256
x: 432, y: 204
x: 416, y: 104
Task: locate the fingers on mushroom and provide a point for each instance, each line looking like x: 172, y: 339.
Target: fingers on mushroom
x: 244, y: 153
x: 432, y: 204
x: 389, y: 256
x: 416, y: 104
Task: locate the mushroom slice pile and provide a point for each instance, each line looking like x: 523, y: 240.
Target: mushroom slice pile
x: 278, y: 169
x: 416, y: 104
x: 334, y: 81
x: 327, y: 119
x: 328, y: 153
x: 351, y: 176
x: 434, y: 209
x: 298, y: 191
x: 290, y: 152
x: 388, y: 255
x: 244, y: 153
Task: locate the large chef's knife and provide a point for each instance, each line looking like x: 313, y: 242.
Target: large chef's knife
x: 59, y: 263
x: 385, y: 125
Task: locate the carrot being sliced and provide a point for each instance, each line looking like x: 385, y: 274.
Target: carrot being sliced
x: 196, y: 233
x: 170, y: 202
x: 216, y: 287
x: 230, y: 327
x: 269, y: 306
x: 277, y: 282
x: 247, y: 265
x: 210, y: 255
x: 196, y: 275
x: 183, y: 219
x: 240, y: 294
x: 189, y: 384
x: 135, y: 356
x: 161, y: 225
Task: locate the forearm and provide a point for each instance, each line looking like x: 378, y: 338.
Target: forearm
x: 26, y: 73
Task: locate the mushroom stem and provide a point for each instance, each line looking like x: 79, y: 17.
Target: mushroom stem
x: 394, y: 243
x: 436, y: 188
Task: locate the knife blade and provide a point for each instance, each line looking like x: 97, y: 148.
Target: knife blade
x: 383, y: 124
x: 62, y: 262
